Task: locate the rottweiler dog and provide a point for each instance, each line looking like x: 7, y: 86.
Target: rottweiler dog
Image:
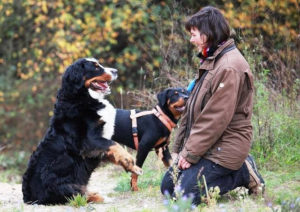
x: 152, y: 128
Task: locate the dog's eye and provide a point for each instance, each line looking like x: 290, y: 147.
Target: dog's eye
x: 96, y: 64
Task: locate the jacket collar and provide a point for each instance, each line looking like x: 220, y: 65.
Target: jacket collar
x: 209, y: 62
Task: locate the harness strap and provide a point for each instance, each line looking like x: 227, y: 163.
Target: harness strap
x: 134, y: 129
x: 164, y: 118
x: 157, y: 111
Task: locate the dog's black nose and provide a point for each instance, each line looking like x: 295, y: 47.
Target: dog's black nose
x: 185, y: 97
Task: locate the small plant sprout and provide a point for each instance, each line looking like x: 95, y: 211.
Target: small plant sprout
x: 78, y: 201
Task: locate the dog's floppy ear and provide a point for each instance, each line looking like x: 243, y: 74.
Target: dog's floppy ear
x: 162, y: 97
x: 73, y: 78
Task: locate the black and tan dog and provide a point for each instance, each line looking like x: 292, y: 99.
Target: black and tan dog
x: 145, y: 130
x: 78, y: 138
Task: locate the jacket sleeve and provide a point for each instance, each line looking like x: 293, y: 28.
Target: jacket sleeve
x: 210, y: 123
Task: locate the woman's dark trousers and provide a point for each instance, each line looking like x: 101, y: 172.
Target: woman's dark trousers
x: 215, y: 175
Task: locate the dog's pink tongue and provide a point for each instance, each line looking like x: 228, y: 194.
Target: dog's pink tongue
x: 180, y: 109
x: 103, y: 84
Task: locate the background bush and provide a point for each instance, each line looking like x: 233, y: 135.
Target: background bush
x: 147, y: 42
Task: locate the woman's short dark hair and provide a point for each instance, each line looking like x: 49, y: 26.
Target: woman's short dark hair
x: 211, y: 22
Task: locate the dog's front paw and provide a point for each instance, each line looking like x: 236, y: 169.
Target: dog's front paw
x: 118, y: 155
x: 136, y: 170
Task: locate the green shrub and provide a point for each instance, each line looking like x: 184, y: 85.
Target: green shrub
x: 276, y: 129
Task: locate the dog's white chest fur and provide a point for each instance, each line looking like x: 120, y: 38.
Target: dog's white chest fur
x: 107, y: 115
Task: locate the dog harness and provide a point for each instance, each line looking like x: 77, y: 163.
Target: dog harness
x: 157, y: 111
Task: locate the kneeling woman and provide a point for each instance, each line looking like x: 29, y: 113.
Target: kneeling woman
x: 215, y: 134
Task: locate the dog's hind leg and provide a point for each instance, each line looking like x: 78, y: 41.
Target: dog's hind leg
x: 63, y: 178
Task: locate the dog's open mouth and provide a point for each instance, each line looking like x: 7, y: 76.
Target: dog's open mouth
x: 179, y: 108
x: 100, y: 85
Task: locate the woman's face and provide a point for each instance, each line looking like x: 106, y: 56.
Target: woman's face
x: 198, y: 39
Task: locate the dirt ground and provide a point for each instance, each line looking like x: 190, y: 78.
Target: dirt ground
x: 103, y: 181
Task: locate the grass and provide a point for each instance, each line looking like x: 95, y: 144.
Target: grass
x: 282, y: 186
x: 78, y: 201
x: 276, y: 150
x: 152, y: 175
x: 283, y: 189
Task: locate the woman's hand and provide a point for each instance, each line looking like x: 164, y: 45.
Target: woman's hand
x: 183, y: 163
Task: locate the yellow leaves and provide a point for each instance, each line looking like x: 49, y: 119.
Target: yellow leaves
x: 114, y: 34
x: 65, y: 18
x: 244, y: 20
x: 26, y: 76
x: 41, y: 19
x: 120, y: 60
x: 48, y: 61
x: 38, y: 53
x: 61, y: 69
x: 34, y: 88
x: 7, y: 1
x: 8, y: 12
x: 106, y: 13
x: 1, y: 96
x: 229, y: 5
x: 131, y: 57
x: 50, y: 113
x: 44, y: 7
x: 138, y: 16
x: 261, y: 3
x: 80, y: 1
x: 156, y: 63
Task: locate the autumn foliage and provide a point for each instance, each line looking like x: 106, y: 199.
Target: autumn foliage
x: 144, y: 40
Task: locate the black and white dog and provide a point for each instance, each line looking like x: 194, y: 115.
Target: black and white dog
x: 77, y: 139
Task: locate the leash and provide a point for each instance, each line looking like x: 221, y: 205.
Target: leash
x: 157, y: 111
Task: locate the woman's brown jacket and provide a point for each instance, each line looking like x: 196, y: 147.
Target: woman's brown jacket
x: 216, y: 123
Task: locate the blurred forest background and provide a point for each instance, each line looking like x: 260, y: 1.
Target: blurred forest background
x: 147, y: 43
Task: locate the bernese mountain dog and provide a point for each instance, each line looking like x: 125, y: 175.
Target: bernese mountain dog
x: 77, y: 139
